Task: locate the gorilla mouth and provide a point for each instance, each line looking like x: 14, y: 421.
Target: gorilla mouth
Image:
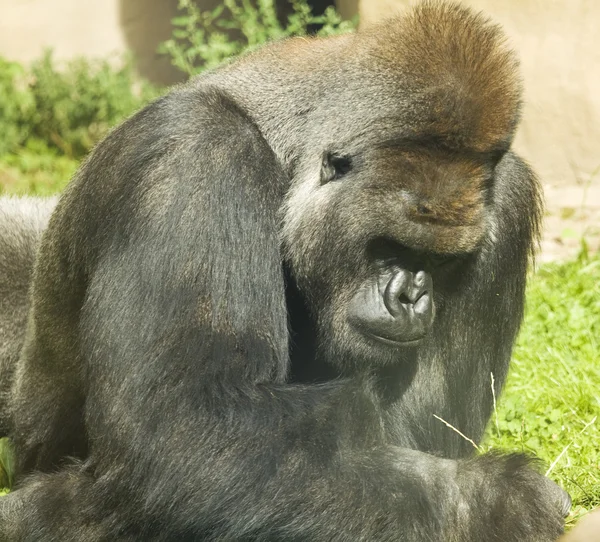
x: 394, y: 307
x: 393, y: 342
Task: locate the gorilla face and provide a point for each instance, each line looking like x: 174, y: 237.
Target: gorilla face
x: 378, y: 238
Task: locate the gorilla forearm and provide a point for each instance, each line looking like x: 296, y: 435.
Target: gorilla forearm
x: 340, y: 483
x: 470, y: 344
x: 344, y: 483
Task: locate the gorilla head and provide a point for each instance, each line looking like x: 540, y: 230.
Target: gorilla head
x: 386, y: 214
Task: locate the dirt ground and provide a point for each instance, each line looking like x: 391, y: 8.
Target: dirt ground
x: 572, y: 214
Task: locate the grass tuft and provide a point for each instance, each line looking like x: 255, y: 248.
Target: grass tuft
x: 550, y: 406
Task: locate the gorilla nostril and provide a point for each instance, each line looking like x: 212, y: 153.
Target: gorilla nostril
x: 420, y: 294
x: 395, y: 292
x: 406, y: 290
x: 424, y: 304
x: 420, y: 279
x: 404, y: 299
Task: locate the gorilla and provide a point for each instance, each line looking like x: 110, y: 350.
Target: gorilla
x: 22, y: 221
x: 259, y: 292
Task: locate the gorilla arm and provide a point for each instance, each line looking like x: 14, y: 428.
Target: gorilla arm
x: 279, y: 468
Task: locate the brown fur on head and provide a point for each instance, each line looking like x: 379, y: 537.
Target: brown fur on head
x: 465, y: 79
x: 434, y: 97
x: 418, y: 112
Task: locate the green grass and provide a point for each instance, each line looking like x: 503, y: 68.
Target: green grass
x: 551, y: 403
x: 35, y: 169
x: 6, y: 463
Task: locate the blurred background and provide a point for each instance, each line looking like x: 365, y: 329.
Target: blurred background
x: 72, y: 69
x: 558, y: 42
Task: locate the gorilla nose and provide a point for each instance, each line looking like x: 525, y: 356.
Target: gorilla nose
x: 408, y: 292
x: 394, y: 307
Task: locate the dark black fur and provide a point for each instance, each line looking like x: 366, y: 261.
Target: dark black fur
x: 157, y: 349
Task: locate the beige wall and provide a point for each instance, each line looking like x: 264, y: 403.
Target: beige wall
x: 559, y: 45
x: 93, y: 28
x: 97, y: 28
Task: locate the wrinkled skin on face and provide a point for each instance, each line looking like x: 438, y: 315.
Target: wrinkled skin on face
x: 395, y: 306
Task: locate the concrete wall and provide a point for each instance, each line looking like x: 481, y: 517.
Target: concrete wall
x: 98, y: 28
x: 90, y: 28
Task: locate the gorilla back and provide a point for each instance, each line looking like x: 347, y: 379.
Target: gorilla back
x: 361, y: 191
x: 22, y: 221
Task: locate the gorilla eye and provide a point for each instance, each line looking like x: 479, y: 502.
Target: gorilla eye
x: 443, y: 260
x: 334, y: 167
x: 438, y: 260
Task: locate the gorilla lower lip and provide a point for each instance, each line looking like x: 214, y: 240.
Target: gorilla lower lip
x: 393, y: 342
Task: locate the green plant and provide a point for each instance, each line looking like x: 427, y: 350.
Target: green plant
x: 74, y: 108
x: 6, y: 465
x: 551, y: 404
x: 67, y: 107
x: 35, y: 168
x: 204, y: 39
x: 16, y: 105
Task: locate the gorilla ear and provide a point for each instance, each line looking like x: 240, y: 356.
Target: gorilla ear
x: 334, y: 167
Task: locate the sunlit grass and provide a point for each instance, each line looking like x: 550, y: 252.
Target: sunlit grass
x: 551, y: 403
x: 6, y: 465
